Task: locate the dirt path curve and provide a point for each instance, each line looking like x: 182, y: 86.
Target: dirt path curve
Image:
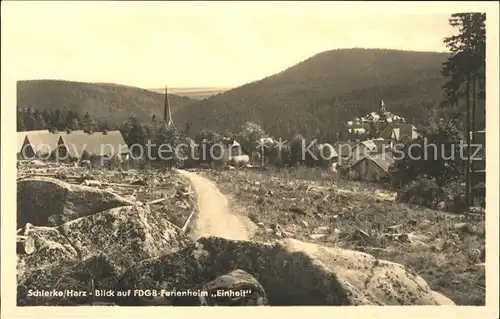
x: 214, y: 217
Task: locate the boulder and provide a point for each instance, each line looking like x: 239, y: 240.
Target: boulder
x: 91, y: 252
x: 464, y: 228
x: 127, y: 234
x: 51, y: 202
x: 177, y: 276
x: 42, y: 247
x: 290, y: 272
x: 297, y: 273
x: 237, y: 288
x: 442, y: 300
x: 77, y: 279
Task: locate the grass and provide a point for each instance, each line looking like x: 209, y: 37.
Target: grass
x: 308, y: 205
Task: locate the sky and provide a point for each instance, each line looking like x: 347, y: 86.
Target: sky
x: 202, y: 44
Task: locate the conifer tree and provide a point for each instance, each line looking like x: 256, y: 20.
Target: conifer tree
x: 465, y: 70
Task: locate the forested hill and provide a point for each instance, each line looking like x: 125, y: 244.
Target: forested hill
x: 110, y: 102
x: 322, y: 92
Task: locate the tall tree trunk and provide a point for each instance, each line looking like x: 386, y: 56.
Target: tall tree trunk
x: 467, y: 134
x: 473, y: 128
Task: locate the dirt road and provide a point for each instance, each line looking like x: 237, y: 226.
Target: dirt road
x: 214, y: 217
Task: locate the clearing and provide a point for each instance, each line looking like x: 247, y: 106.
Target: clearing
x: 447, y: 250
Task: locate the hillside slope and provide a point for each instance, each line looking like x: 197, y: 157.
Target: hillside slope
x: 111, y: 102
x: 319, y: 94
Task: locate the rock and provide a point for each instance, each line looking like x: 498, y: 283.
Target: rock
x: 20, y: 245
x: 91, y: 183
x: 51, y: 202
x: 287, y: 234
x: 38, y: 163
x: 297, y: 273
x: 475, y: 210
x: 289, y: 272
x: 126, y: 234
x: 237, y: 288
x: 321, y: 229
x: 261, y: 225
x: 304, y: 223
x: 464, y: 228
x: 175, y: 275
x: 96, y: 272
x: 441, y: 299
x: 44, y: 246
x: 317, y: 236
x: 74, y: 255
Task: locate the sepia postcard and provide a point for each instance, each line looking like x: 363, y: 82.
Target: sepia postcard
x: 329, y: 156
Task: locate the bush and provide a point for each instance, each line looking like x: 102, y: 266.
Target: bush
x: 455, y: 199
x: 423, y: 191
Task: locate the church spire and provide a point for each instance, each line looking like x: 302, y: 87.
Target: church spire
x: 167, y: 115
x: 382, y: 106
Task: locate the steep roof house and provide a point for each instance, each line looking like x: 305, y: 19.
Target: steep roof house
x: 96, y: 146
x: 21, y: 136
x: 373, y: 167
x: 362, y: 149
x: 39, y: 143
x: 344, y: 150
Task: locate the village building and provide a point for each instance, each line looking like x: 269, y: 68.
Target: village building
x: 373, y: 122
x: 97, y: 147
x: 381, y: 144
x: 344, y: 151
x: 21, y: 142
x: 364, y: 148
x: 381, y: 116
x: 235, y: 153
x: 39, y: 144
x: 398, y: 133
x: 373, y: 167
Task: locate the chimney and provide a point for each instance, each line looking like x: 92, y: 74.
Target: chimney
x: 167, y: 115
